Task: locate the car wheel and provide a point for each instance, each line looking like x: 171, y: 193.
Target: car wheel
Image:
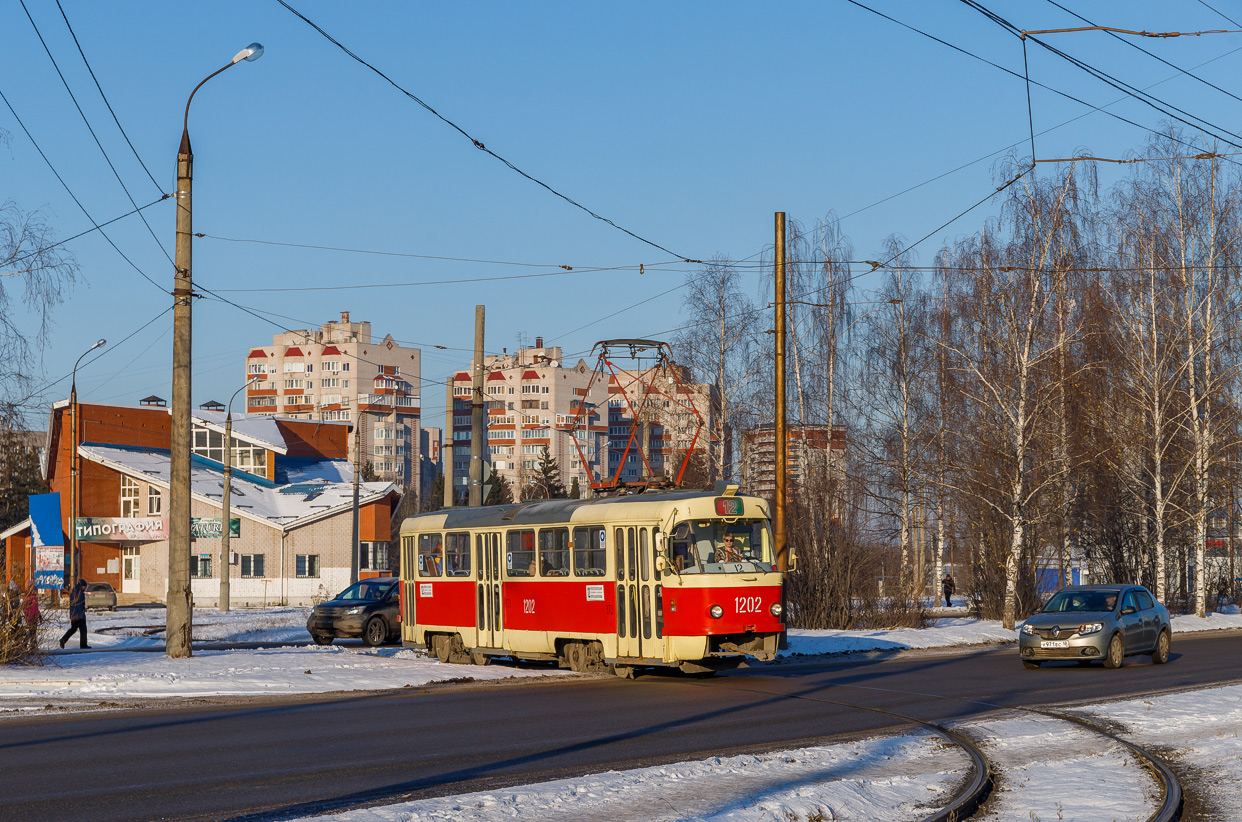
x: 375, y: 632
x: 1161, y: 654
x: 321, y: 639
x: 1030, y: 663
x: 1116, y: 652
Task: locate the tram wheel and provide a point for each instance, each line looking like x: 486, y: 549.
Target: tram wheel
x: 479, y: 659
x: 440, y: 646
x: 624, y: 671
x: 457, y: 653
x: 575, y: 655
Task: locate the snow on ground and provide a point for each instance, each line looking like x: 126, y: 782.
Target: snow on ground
x: 1202, y: 729
x: 1049, y: 769
x: 884, y: 778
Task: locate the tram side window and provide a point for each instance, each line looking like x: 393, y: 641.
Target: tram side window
x: 457, y: 555
x: 430, y: 555
x: 685, y: 557
x: 520, y: 561
x: 554, y: 552
x: 589, y: 555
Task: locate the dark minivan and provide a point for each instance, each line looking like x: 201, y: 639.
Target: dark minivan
x: 367, y: 609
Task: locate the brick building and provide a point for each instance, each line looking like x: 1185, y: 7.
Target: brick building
x: 291, y: 491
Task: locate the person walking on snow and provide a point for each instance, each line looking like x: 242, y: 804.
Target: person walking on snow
x: 77, y: 613
x: 947, y: 587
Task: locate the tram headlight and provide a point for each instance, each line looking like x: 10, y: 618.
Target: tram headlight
x: 716, y: 611
x: 776, y: 609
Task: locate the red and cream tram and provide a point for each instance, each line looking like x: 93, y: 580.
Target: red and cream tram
x: 681, y: 579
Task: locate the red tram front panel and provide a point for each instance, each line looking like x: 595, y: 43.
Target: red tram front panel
x: 687, y: 611
x: 564, y: 606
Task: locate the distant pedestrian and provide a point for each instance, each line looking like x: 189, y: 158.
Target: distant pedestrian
x: 948, y: 588
x: 31, y: 609
x: 77, y: 613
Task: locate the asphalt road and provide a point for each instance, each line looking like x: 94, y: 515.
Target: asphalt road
x: 287, y: 758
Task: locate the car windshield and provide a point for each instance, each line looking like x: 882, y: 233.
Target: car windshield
x: 366, y: 591
x: 719, y: 547
x: 1082, y: 601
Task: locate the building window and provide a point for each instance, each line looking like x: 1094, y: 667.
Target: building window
x: 291, y: 367
x: 129, y: 498
x: 344, y: 366
x: 307, y: 565
x: 373, y: 556
x: 155, y: 501
x: 252, y: 565
x: 329, y: 382
x: 200, y: 566
x: 256, y: 368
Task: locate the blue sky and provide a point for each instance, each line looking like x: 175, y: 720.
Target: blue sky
x: 687, y: 123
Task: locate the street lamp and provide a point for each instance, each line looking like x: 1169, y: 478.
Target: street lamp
x: 73, y: 465
x: 224, y: 505
x: 179, y: 613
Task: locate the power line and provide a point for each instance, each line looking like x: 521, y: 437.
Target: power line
x: 75, y: 197
x: 94, y: 136
x: 1067, y: 96
x: 115, y: 119
x: 1150, y: 100
x: 1222, y: 14
x: 477, y: 143
x: 98, y: 227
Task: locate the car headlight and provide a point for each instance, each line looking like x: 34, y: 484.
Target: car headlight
x: 1028, y: 629
x: 353, y: 611
x: 716, y: 611
x: 776, y: 609
x: 1093, y: 628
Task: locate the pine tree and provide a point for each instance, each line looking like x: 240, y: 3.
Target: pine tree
x: 546, y: 483
x: 575, y: 490
x: 501, y: 493
x: 20, y: 476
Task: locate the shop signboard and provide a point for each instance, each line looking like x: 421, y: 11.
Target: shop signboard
x: 121, y: 529
x: 209, y: 527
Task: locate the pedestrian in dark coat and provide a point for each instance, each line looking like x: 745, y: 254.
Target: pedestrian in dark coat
x: 77, y: 613
x: 948, y: 588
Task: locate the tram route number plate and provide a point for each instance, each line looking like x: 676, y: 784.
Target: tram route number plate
x: 595, y: 593
x: 1054, y: 643
x: 424, y: 589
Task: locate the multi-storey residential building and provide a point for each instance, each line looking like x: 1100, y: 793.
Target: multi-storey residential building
x: 813, y: 446
x: 533, y: 400
x: 339, y: 372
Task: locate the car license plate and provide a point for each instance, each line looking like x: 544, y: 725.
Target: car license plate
x: 1054, y: 643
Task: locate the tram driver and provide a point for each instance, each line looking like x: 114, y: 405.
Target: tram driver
x: 729, y: 550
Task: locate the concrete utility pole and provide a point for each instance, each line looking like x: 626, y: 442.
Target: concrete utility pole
x: 75, y: 470
x: 477, y: 430
x: 446, y: 447
x: 782, y: 462
x: 356, y: 543
x: 179, y: 601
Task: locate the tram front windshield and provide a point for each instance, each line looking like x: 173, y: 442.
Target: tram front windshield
x: 718, y: 547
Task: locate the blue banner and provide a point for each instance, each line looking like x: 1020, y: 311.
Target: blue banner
x: 47, y: 540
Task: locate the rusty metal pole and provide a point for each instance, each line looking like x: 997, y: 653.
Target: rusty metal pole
x: 446, y: 448
x: 477, y: 429
x: 782, y: 463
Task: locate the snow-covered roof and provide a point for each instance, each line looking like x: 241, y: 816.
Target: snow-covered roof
x: 24, y: 525
x: 255, y: 429
x: 310, y: 494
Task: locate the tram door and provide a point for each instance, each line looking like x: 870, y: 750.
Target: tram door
x: 635, y: 596
x: 487, y: 589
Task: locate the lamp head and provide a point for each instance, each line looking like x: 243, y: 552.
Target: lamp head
x: 250, y: 53
x: 99, y: 344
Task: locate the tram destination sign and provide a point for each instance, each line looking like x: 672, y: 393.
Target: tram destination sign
x: 209, y: 527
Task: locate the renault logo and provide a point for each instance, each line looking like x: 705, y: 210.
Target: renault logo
x: 1056, y: 632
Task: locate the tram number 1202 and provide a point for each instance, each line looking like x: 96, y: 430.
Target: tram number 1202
x: 528, y: 606
x: 748, y: 605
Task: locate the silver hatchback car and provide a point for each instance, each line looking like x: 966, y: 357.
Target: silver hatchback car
x: 1089, y: 622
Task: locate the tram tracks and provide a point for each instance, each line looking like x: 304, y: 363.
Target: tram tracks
x: 974, y: 791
